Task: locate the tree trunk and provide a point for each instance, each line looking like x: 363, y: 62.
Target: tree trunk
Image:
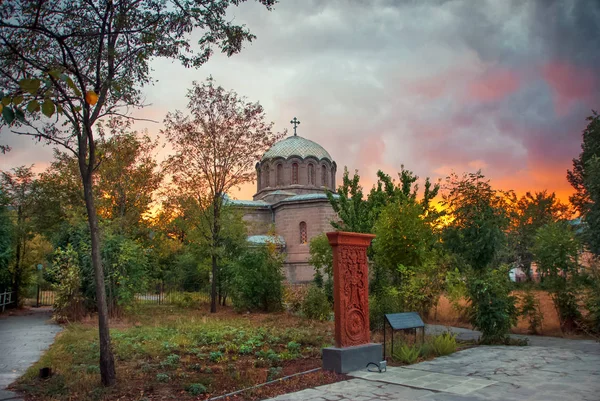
x: 107, y: 362
x: 215, y: 245
x: 16, y: 287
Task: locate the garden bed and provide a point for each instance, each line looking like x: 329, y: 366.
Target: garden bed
x: 163, y: 352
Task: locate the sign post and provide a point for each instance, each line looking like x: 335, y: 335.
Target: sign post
x: 403, y: 321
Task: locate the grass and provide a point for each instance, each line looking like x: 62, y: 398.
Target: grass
x: 163, y: 351
x: 408, y: 351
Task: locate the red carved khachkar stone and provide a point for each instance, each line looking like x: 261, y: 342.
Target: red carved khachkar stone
x: 350, y: 287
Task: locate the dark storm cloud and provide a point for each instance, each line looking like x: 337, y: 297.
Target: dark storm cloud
x: 434, y: 85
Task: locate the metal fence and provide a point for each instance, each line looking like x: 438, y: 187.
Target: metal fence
x: 173, y: 297
x: 6, y: 298
x: 41, y: 298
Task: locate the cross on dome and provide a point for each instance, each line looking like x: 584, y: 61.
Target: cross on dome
x: 295, y: 122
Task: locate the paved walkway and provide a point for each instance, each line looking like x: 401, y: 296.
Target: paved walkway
x: 548, y: 369
x: 23, y: 339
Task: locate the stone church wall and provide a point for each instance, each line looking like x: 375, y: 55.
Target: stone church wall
x: 317, y: 216
x: 258, y: 220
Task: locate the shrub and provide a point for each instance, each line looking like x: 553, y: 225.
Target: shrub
x: 215, y: 356
x: 66, y: 274
x: 492, y: 309
x: 171, y: 360
x: 293, y: 347
x: 257, y: 281
x: 273, y: 373
x: 162, y: 377
x: 530, y: 310
x: 321, y: 257
x: 293, y: 296
x: 315, y: 305
x: 444, y: 344
x: 196, y: 389
x: 245, y: 349
x: 407, y: 354
x: 386, y: 300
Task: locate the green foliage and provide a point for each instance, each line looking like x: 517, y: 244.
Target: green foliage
x: 273, y: 373
x: 316, y: 305
x: 592, y: 297
x: 492, y: 309
x: 125, y: 264
x: 555, y: 251
x: 387, y: 300
x: 196, y: 389
x: 321, y: 258
x: 293, y: 347
x: 350, y: 206
x: 403, y: 237
x: 171, y: 360
x: 162, y: 377
x: 216, y: 356
x: 407, y: 354
x: 530, y: 310
x: 6, y: 249
x: 66, y: 273
x: 528, y: 214
x: 257, y: 281
x: 478, y: 219
x: 585, y: 178
x: 444, y: 344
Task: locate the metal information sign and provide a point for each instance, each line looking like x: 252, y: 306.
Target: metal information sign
x: 402, y: 321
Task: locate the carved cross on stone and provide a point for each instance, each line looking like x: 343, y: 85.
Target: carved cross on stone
x: 295, y: 122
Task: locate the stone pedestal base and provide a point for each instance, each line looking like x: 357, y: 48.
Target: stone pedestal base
x: 349, y: 359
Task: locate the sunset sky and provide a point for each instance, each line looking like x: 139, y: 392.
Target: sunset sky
x: 439, y: 86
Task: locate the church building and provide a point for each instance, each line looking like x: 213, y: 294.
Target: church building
x: 292, y: 179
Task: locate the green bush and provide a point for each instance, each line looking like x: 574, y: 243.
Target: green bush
x: 407, y: 353
x: 386, y: 300
x: 530, y: 310
x: 315, y: 305
x: 162, y: 377
x: 444, y: 344
x: 196, y: 389
x: 492, y: 309
x: 257, y: 281
x: 66, y: 274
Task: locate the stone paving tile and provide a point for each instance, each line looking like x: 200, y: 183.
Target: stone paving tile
x: 550, y: 369
x: 426, y: 379
x: 23, y: 339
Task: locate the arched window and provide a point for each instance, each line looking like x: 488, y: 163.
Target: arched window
x: 324, y: 175
x: 295, y: 173
x: 332, y: 179
x: 258, y: 179
x: 280, y: 175
x: 266, y: 177
x: 311, y: 174
x: 303, y: 235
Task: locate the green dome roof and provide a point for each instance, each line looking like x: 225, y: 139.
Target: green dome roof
x: 296, y: 146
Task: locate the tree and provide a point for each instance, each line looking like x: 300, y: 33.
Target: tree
x: 478, y: 219
x: 216, y: 148
x: 350, y: 206
x: 555, y: 251
x: 475, y: 234
x: 19, y: 188
x: 357, y: 214
x: 585, y: 178
x: 531, y: 212
x: 82, y: 61
x: 6, y: 248
x: 321, y: 258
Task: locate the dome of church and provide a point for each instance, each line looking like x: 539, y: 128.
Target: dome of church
x: 297, y: 146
